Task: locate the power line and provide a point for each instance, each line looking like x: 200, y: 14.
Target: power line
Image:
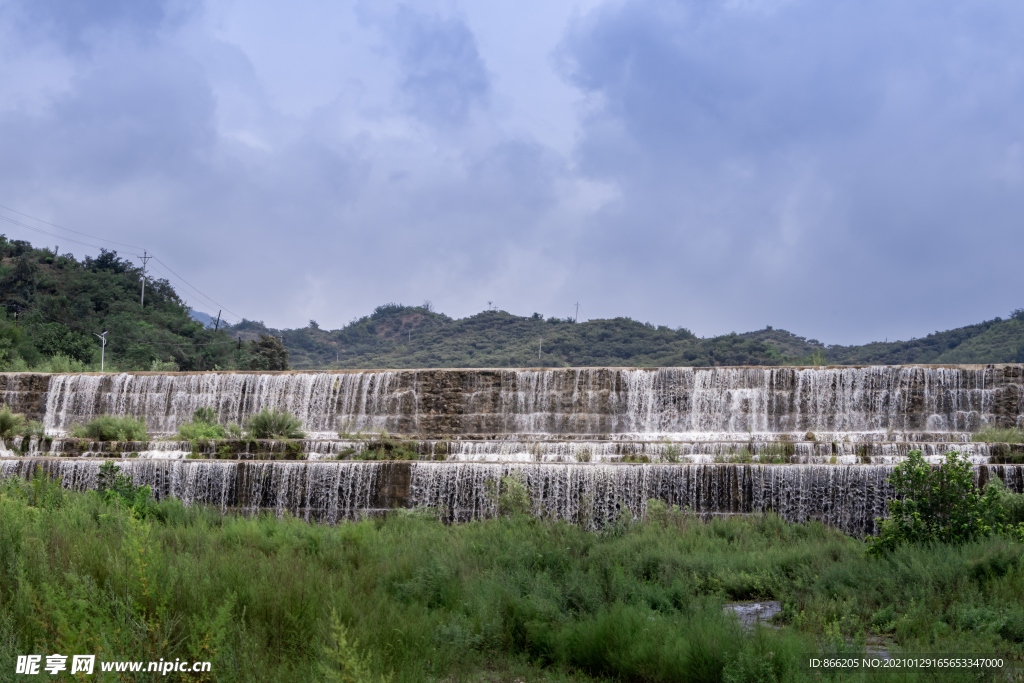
x: 201, y: 295
x: 194, y: 288
x: 54, y: 225
x: 69, y: 239
x: 60, y: 237
x: 134, y: 339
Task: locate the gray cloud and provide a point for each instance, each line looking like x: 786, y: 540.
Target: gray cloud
x: 849, y: 170
x: 817, y: 162
x: 444, y: 76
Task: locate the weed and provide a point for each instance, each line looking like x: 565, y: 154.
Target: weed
x: 999, y: 435
x: 274, y: 424
x: 112, y: 428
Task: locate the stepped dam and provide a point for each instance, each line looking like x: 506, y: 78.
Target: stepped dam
x: 590, y: 444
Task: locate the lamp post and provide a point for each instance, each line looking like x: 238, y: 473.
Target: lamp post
x: 103, y: 349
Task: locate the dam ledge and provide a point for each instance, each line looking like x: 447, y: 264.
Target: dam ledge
x: 593, y: 495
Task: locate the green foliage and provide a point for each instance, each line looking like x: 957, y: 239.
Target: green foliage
x: 939, y: 505
x: 11, y: 423
x: 265, y: 353
x: 397, y: 336
x: 202, y: 426
x: 271, y: 424
x: 999, y: 435
x: 116, y: 488
x: 279, y: 600
x: 60, y: 302
x: 385, y: 447
x: 344, y: 661
x: 39, y: 492
x: 510, y: 497
x: 112, y: 428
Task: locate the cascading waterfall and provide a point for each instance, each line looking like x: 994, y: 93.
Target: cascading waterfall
x: 849, y: 498
x: 324, y: 402
x: 567, y: 434
x: 593, y: 401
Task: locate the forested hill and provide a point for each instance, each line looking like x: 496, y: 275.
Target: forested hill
x: 397, y: 336
x: 52, y: 305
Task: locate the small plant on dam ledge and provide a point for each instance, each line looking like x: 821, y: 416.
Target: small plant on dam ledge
x: 274, y: 424
x: 942, y: 505
x: 112, y: 428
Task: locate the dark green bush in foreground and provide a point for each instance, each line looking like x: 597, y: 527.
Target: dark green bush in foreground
x: 513, y: 597
x: 941, y: 505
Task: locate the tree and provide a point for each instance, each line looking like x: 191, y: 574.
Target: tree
x: 939, y: 504
x: 267, y: 353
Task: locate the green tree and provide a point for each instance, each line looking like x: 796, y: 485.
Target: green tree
x: 267, y: 353
x: 938, y: 504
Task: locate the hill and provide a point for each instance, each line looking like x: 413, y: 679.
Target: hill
x: 53, y: 305
x: 396, y: 336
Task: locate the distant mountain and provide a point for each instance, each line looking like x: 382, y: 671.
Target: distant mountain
x: 206, y: 319
x: 397, y: 336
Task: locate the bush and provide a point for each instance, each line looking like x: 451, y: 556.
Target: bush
x: 998, y: 435
x: 11, y: 423
x: 202, y: 426
x: 115, y: 487
x: 112, y: 428
x: 272, y: 424
x: 939, y: 504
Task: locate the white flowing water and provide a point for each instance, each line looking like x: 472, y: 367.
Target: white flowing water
x: 845, y: 497
x: 677, y: 403
x: 703, y: 436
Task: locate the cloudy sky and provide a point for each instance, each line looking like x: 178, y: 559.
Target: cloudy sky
x: 850, y: 170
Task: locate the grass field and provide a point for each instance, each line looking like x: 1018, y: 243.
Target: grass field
x: 502, y: 600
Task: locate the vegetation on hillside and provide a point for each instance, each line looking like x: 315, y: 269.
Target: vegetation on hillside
x: 514, y: 597
x: 52, y: 306
x: 396, y: 336
x: 416, y: 336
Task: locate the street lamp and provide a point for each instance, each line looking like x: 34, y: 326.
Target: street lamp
x: 103, y: 349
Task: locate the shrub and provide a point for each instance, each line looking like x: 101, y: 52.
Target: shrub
x: 938, y: 504
x: 39, y: 492
x: 11, y: 423
x: 202, y: 426
x: 999, y: 435
x: 344, y: 662
x: 510, y: 496
x: 116, y: 487
x: 274, y: 424
x: 33, y: 428
x: 112, y: 428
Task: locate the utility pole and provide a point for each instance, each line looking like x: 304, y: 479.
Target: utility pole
x: 540, y: 345
x: 103, y: 349
x: 145, y: 258
x: 577, y: 318
x: 217, y: 326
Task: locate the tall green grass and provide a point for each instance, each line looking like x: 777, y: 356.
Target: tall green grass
x: 274, y: 424
x: 513, y: 597
x: 112, y: 428
x: 999, y: 435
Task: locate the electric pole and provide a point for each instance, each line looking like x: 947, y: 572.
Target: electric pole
x: 103, y: 349
x: 577, y: 318
x: 217, y: 326
x: 145, y: 258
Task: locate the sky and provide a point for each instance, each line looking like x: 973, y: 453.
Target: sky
x: 849, y: 170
